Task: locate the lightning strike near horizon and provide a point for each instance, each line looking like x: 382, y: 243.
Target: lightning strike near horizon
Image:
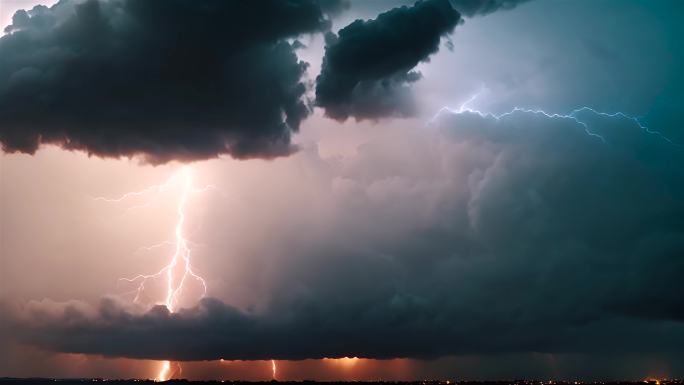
x: 164, y: 372
x: 179, y: 268
x: 273, y: 368
x: 572, y: 115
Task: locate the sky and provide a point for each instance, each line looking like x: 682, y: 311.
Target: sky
x: 464, y: 189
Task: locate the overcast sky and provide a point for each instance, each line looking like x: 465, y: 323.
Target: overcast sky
x: 357, y: 208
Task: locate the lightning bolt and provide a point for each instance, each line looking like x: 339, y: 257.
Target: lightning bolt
x: 164, y: 372
x: 572, y: 115
x: 179, y: 269
x: 273, y: 368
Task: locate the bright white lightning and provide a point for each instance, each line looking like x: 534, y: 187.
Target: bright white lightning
x: 572, y: 115
x: 155, y: 246
x: 164, y: 372
x: 157, y: 189
x: 179, y: 268
x: 273, y: 368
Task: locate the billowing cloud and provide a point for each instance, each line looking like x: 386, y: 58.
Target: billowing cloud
x: 473, y: 235
x: 161, y: 79
x: 367, y: 67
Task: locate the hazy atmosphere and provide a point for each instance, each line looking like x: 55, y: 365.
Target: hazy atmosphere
x: 354, y: 190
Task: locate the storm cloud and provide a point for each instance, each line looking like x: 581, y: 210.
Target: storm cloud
x: 163, y: 80
x: 367, y: 67
x: 473, y: 235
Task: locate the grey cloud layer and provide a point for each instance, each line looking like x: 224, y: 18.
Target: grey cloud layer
x: 366, y: 69
x: 163, y: 79
x: 473, y: 235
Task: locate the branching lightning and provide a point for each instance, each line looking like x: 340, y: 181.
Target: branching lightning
x: 156, y: 189
x: 155, y: 246
x: 572, y: 115
x: 179, y: 268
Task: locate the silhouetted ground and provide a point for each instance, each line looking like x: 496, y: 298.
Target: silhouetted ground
x: 54, y: 381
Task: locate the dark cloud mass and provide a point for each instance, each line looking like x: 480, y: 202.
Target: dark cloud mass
x: 171, y: 79
x: 470, y: 236
x: 366, y: 71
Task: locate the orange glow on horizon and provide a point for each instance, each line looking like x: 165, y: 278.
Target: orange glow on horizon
x: 344, y: 361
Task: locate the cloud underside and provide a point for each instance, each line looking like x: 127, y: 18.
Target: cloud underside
x: 367, y: 67
x: 190, y: 80
x: 165, y: 80
x: 523, y: 234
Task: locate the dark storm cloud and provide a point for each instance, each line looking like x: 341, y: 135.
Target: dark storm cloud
x: 366, y: 70
x: 400, y: 326
x: 472, y: 8
x: 471, y: 236
x: 172, y: 79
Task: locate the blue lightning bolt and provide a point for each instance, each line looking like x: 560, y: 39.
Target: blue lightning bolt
x: 572, y: 115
